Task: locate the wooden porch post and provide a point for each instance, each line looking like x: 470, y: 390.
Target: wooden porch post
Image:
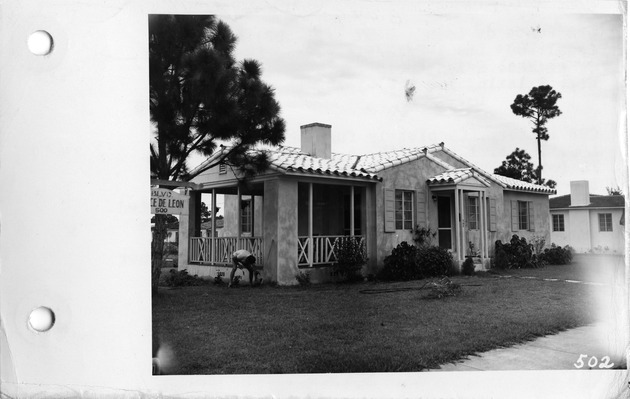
x: 213, y: 228
x: 482, y: 212
x: 310, y: 224
x: 461, y: 225
x: 351, y: 211
x: 457, y: 223
x: 238, y: 216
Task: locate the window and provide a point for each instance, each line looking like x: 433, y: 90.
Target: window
x: 523, y: 215
x: 403, y: 209
x: 605, y: 222
x: 558, y: 222
x: 247, y: 217
x: 473, y: 213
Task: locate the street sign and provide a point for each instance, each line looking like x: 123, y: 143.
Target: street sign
x: 165, y: 201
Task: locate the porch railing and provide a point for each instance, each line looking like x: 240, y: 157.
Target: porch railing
x: 324, y: 251
x: 201, y: 249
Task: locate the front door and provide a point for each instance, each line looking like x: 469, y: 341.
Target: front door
x: 444, y: 223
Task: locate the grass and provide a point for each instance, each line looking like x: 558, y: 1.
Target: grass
x: 342, y: 328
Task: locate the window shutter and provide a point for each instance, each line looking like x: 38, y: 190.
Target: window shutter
x: 514, y: 215
x: 389, y: 206
x: 530, y: 215
x: 493, y: 214
x: 421, y: 208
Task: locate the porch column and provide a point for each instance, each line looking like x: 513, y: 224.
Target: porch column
x: 457, y: 223
x: 280, y: 231
x: 351, y: 211
x: 213, y: 227
x: 461, y: 225
x: 189, y: 226
x: 482, y: 224
x: 238, y: 216
x: 310, y: 225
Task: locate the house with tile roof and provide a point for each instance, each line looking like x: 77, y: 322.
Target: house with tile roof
x: 291, y: 216
x: 588, y: 222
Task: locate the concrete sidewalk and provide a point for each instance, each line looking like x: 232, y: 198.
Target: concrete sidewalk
x: 553, y: 352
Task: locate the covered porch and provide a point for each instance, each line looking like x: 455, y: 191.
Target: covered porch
x: 461, y: 201
x: 288, y: 224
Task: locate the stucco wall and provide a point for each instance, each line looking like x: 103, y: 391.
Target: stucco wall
x: 409, y: 176
x: 613, y: 240
x: 581, y: 231
x: 541, y: 216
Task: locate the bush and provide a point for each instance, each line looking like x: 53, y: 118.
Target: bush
x: 401, y: 264
x: 468, y: 267
x: 558, y: 255
x: 516, y: 254
x: 423, y: 236
x: 443, y: 288
x: 351, y: 256
x: 434, y: 262
x: 408, y: 262
x: 182, y: 279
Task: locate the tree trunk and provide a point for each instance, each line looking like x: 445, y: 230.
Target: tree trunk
x: 157, y: 248
x: 539, y: 161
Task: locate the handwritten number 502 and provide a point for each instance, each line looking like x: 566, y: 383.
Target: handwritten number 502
x: 593, y: 362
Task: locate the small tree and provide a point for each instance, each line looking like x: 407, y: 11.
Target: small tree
x: 538, y: 106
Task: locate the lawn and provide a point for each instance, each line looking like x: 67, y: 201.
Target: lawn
x: 357, y: 328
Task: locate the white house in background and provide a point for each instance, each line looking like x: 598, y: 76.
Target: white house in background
x: 588, y: 222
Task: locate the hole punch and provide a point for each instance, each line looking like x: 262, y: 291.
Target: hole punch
x: 40, y: 42
x: 41, y: 319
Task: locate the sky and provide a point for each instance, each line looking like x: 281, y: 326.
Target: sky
x: 349, y: 68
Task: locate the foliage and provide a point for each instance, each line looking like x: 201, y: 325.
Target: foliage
x: 168, y: 219
x: 538, y: 106
x: 472, y: 250
x: 443, y: 288
x: 401, y: 264
x: 408, y: 262
x: 516, y: 254
x: 423, y: 236
x: 304, y: 279
x: 351, y: 256
x: 614, y: 190
x: 517, y: 166
x: 558, y: 255
x: 199, y: 97
x: 218, y: 280
x: 182, y: 279
x: 434, y: 261
x: 468, y: 267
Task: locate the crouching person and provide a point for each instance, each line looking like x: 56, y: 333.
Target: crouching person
x: 242, y: 259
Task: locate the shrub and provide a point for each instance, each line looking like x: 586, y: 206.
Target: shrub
x: 434, y: 262
x: 443, y: 288
x: 182, y: 279
x: 468, y: 267
x: 351, y: 256
x: 218, y: 280
x: 423, y: 236
x: 558, y: 255
x: 303, y: 278
x: 516, y: 254
x: 401, y: 264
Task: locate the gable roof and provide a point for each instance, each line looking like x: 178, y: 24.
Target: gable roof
x: 596, y: 201
x: 293, y: 160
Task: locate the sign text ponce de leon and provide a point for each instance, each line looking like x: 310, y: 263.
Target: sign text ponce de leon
x: 165, y: 201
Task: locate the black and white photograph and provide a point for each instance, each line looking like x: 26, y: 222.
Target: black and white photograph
x: 357, y: 199
x: 386, y: 192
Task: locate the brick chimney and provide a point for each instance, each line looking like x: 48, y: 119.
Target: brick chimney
x: 316, y: 140
x: 579, y: 193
